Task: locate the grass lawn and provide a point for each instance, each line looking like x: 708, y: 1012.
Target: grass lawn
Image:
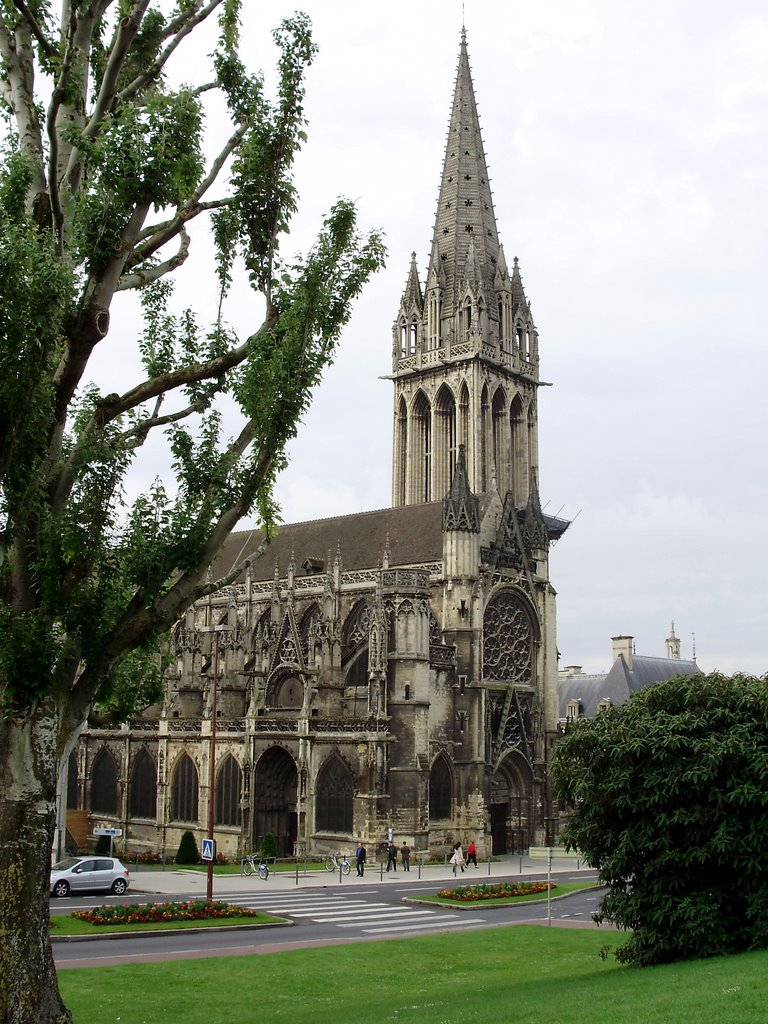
x: 234, y: 869
x: 500, y: 975
x: 560, y: 889
x: 66, y: 925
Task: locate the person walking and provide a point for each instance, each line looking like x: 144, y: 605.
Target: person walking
x: 458, y: 858
x: 361, y: 856
x: 405, y: 856
x: 391, y: 856
x: 472, y: 853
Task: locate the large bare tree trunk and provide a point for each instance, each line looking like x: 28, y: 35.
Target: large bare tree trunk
x: 29, y: 990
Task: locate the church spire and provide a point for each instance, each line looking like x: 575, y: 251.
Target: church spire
x: 460, y: 508
x: 465, y: 216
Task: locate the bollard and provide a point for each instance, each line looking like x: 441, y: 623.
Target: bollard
x: 489, y: 867
x: 419, y: 867
x: 297, y: 871
x: 340, y: 863
x: 381, y: 871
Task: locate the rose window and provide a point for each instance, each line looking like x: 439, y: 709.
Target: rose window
x: 507, y: 640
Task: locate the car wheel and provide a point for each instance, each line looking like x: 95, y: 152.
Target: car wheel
x: 119, y: 886
x: 61, y: 888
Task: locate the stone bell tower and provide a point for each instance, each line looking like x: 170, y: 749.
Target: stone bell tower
x: 465, y: 360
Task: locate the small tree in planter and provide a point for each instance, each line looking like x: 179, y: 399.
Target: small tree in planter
x: 102, y: 847
x: 188, y: 852
x: 269, y: 846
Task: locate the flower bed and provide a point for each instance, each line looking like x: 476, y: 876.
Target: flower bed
x: 144, y: 913
x: 498, y: 891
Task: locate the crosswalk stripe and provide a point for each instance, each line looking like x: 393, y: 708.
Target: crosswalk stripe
x: 376, y: 915
x: 350, y: 912
x: 447, y: 922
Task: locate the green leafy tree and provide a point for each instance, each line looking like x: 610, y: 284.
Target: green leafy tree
x: 188, y: 852
x: 668, y: 795
x: 105, y: 176
x: 268, y: 845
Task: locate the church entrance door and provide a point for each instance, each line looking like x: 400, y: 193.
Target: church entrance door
x: 510, y: 808
x: 275, y: 784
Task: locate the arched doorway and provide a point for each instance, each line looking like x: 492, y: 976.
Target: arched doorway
x: 275, y: 784
x: 511, y: 807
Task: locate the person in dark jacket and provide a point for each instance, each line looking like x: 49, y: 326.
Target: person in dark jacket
x: 361, y: 856
x: 391, y: 856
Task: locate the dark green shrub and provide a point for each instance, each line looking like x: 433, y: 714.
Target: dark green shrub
x: 102, y: 847
x: 668, y: 795
x: 268, y: 846
x: 188, y: 852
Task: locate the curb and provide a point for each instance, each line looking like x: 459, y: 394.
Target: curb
x: 493, y: 905
x: 172, y: 931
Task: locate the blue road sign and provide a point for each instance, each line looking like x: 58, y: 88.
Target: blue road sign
x: 209, y: 849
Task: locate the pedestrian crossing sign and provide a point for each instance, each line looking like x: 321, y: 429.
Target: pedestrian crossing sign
x: 208, y: 849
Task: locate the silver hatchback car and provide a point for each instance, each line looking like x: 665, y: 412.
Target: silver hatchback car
x: 81, y: 874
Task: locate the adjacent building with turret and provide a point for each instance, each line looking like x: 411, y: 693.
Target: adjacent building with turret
x: 392, y: 671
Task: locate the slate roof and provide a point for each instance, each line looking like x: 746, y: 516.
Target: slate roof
x: 620, y: 682
x: 414, y: 532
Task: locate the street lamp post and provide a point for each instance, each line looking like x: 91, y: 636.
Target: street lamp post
x: 212, y: 750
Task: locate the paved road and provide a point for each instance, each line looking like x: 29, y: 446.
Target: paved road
x: 320, y: 916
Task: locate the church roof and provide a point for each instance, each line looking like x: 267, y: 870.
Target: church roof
x: 620, y: 682
x: 465, y: 223
x: 413, y: 534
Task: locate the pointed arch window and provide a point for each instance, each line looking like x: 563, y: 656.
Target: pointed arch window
x: 104, y: 783
x: 72, y: 781
x: 310, y: 630
x: 413, y: 336
x: 401, y: 453
x: 445, y: 441
x: 440, y: 791
x: 185, y: 791
x: 335, y: 791
x: 403, y: 338
x: 501, y: 440
x: 229, y: 781
x: 142, y: 791
x: 421, y: 434
x: 467, y: 325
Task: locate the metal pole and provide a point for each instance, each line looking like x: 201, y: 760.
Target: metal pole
x: 212, y: 776
x: 549, y: 887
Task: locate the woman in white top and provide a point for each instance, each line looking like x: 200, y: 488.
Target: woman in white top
x: 458, y: 858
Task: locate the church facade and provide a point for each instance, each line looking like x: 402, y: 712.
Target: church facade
x: 392, y: 672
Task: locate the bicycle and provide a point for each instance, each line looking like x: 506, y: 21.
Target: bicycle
x: 253, y: 865
x: 337, y: 862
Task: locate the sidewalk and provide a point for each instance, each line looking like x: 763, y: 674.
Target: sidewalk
x: 174, y: 881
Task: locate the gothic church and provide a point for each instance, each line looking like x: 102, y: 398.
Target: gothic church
x: 393, y: 671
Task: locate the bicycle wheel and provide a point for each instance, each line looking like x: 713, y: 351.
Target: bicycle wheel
x: 263, y: 872
x: 345, y: 867
x: 330, y: 864
x: 248, y: 867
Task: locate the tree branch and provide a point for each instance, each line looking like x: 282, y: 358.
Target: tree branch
x: 47, y: 47
x: 125, y: 33
x: 142, y: 277
x: 186, y: 23
x: 191, y: 207
x: 18, y: 56
x: 143, y: 427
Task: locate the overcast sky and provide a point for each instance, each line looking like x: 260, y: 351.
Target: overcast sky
x: 626, y: 145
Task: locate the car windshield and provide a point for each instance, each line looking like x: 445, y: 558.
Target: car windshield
x: 66, y: 864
